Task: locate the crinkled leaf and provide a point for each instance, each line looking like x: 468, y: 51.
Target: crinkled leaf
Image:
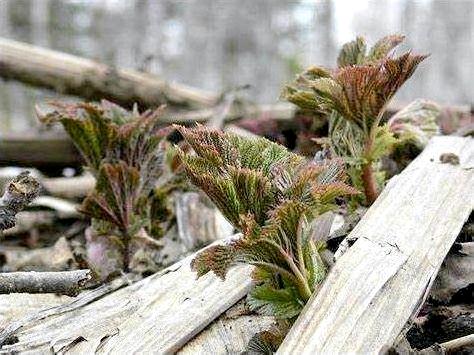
x: 281, y: 303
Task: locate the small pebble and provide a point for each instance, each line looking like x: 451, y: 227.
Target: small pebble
x: 449, y: 158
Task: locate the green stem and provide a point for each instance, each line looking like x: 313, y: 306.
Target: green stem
x: 303, y: 286
x: 302, y: 282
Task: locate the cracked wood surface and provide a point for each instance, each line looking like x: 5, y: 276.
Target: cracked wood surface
x: 159, y: 314
x: 382, y: 280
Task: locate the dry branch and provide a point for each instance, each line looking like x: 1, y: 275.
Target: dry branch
x: 60, y: 282
x: 68, y: 74
x: 41, y: 150
x: 18, y: 194
x: 382, y: 280
x: 69, y: 187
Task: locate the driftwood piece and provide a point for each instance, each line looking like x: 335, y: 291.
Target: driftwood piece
x: 69, y: 187
x: 158, y: 314
x: 63, y: 208
x: 19, y: 305
x: 382, y: 280
x: 8, y: 331
x: 58, y: 257
x: 199, y: 224
x: 451, y: 347
x: 230, y: 333
x: 40, y: 150
x: 27, y: 221
x: 60, y: 282
x: 18, y: 194
x: 68, y: 74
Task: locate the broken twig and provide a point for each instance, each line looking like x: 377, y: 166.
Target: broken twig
x: 61, y: 282
x: 18, y: 194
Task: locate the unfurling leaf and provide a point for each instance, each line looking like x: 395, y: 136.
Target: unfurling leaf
x: 125, y: 152
x: 416, y: 122
x: 354, y: 97
x: 266, y: 192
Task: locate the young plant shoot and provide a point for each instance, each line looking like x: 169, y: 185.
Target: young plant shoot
x: 272, y: 196
x: 354, y: 97
x: 124, y: 151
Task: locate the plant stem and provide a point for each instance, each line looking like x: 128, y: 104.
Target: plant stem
x: 368, y: 178
x: 303, y: 286
x: 370, y: 186
x: 126, y: 252
x: 302, y: 282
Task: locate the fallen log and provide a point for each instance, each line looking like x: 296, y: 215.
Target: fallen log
x: 69, y: 187
x: 379, y: 284
x: 61, y: 282
x: 72, y: 75
x: 39, y: 150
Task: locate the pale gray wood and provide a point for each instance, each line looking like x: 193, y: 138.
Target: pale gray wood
x: 156, y: 315
x: 58, y: 282
x: 73, y: 75
x: 69, y: 187
x: 382, y: 280
x: 228, y: 334
x: 199, y: 223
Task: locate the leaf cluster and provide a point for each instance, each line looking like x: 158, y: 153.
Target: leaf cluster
x: 271, y: 195
x: 124, y: 151
x: 354, y: 97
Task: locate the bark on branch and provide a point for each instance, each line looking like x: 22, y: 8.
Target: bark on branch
x: 18, y: 194
x: 91, y: 80
x: 61, y: 282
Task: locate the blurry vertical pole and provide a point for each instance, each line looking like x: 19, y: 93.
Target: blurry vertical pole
x: 201, y: 63
x: 4, y: 96
x: 155, y: 15
x: 451, y: 41
x: 139, y: 33
x: 39, y: 18
x: 323, y: 46
x: 19, y: 99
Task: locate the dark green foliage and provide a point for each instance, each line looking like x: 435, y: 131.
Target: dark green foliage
x: 354, y: 97
x: 124, y: 151
x: 269, y: 194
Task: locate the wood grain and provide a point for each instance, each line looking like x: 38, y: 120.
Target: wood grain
x: 158, y: 314
x: 68, y: 74
x: 381, y: 281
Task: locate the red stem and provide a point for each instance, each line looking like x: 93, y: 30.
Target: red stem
x: 370, y: 185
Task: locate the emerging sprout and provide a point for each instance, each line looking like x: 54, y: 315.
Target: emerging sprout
x: 124, y: 151
x: 354, y: 96
x: 272, y: 196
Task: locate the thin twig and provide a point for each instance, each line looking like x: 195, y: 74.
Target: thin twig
x: 60, y: 282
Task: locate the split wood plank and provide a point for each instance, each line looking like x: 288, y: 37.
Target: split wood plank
x: 69, y: 74
x: 228, y: 334
x: 159, y: 314
x: 383, y: 279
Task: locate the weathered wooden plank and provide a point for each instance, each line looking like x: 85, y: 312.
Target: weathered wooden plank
x: 158, y: 314
x: 227, y: 335
x: 376, y: 286
x: 91, y: 80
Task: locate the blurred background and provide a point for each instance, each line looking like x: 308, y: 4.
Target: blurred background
x: 219, y: 45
